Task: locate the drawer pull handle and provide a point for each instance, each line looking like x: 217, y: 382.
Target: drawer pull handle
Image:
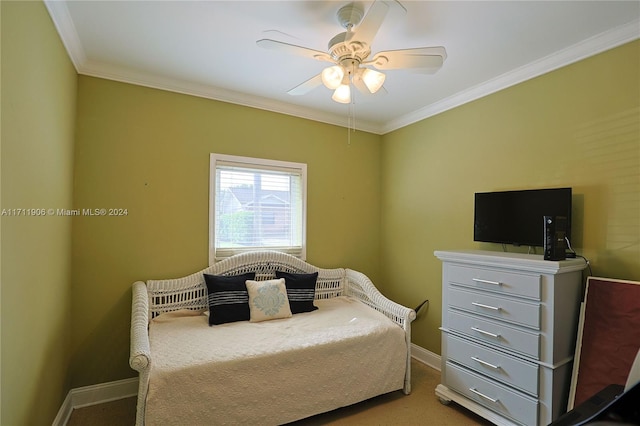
x: 485, y: 332
x: 495, y: 367
x: 494, y: 400
x: 480, y: 305
x: 479, y: 280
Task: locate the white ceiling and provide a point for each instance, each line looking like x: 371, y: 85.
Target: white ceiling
x: 208, y: 48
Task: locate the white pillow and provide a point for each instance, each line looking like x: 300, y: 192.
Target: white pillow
x: 268, y: 300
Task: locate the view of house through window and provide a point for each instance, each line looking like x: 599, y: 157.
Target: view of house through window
x: 256, y: 204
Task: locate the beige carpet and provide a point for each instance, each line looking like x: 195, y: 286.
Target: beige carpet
x: 422, y: 407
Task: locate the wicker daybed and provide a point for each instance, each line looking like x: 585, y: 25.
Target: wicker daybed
x: 353, y: 346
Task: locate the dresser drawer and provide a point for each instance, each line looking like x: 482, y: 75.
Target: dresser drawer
x: 517, y: 311
x: 510, y: 283
x: 495, y: 333
x: 510, y: 370
x: 505, y: 401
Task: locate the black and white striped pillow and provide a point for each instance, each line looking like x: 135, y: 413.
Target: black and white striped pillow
x: 301, y: 290
x: 228, y: 298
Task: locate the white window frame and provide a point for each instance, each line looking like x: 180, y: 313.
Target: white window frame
x: 216, y: 254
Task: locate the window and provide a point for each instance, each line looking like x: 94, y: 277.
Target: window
x: 256, y: 204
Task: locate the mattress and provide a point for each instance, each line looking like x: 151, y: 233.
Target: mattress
x: 271, y: 372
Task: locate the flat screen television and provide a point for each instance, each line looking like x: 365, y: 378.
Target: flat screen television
x: 517, y: 217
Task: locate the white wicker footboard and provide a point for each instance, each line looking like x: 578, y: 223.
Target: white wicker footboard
x: 157, y: 296
x: 361, y: 287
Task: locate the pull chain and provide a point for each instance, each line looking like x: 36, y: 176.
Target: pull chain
x: 351, y: 119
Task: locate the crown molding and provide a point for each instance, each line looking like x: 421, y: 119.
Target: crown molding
x: 577, y: 52
x: 584, y: 49
x: 67, y: 30
x: 124, y: 75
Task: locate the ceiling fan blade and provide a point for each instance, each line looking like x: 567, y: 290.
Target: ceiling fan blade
x: 293, y: 49
x: 423, y: 59
x: 307, y: 86
x: 367, y: 29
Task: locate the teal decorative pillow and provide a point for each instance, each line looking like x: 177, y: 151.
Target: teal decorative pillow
x: 268, y: 300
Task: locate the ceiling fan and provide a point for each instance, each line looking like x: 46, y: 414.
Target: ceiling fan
x: 350, y: 54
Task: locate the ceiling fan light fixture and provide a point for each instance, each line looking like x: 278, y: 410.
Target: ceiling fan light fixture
x: 342, y: 94
x: 332, y: 76
x: 373, y: 79
x: 349, y: 53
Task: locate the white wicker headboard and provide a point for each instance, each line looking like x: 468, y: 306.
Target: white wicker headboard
x: 190, y: 292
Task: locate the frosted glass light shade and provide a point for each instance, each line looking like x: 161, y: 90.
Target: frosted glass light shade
x: 332, y: 76
x: 342, y: 94
x: 373, y: 79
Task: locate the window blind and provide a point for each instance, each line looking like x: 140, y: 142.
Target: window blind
x: 258, y: 205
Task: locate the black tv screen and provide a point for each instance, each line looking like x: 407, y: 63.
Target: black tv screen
x: 517, y: 217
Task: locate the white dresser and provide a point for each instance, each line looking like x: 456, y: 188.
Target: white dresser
x: 509, y: 324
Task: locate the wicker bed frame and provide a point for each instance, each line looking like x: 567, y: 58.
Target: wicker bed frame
x: 155, y: 297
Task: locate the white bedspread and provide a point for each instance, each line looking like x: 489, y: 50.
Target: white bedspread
x: 271, y: 372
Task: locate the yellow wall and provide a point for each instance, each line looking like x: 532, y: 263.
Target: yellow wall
x: 38, y: 113
x: 148, y: 151
x: 381, y: 205
x: 578, y: 126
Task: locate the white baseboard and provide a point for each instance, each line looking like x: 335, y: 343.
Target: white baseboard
x: 104, y: 392
x: 64, y: 413
x: 426, y: 357
x: 95, y: 394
